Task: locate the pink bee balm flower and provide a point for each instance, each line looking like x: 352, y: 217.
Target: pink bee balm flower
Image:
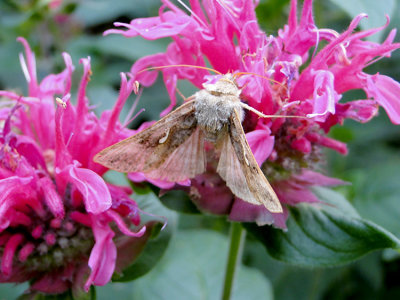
x: 58, y: 217
x: 294, y: 79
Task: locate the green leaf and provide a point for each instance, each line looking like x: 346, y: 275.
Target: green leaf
x: 324, y: 235
x: 12, y: 290
x: 377, y: 195
x: 179, y: 201
x: 193, y: 268
x: 39, y: 296
x: 376, y: 11
x: 158, y: 241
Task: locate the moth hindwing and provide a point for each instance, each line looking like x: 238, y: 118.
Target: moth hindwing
x: 172, y: 149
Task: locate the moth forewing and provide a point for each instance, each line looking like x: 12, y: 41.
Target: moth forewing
x: 258, y: 185
x: 185, y: 162
x: 230, y: 169
x: 150, y: 148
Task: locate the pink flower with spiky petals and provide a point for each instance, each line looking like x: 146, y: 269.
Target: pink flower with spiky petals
x: 58, y: 217
x: 298, y: 80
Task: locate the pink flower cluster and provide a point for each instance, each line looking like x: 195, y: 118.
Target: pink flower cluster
x: 58, y: 217
x: 298, y: 80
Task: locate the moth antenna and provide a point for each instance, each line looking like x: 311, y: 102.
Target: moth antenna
x: 181, y: 94
x: 175, y: 66
x: 258, y: 75
x: 261, y: 115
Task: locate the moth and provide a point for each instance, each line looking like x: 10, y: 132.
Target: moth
x: 173, y: 148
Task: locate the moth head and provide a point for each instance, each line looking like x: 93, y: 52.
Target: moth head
x: 225, y: 85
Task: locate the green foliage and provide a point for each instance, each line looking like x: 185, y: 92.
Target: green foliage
x: 193, y: 268
x: 376, y: 12
x: 324, y: 235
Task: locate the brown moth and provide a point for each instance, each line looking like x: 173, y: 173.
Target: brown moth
x: 173, y: 148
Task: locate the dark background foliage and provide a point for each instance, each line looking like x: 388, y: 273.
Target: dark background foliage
x: 192, y: 266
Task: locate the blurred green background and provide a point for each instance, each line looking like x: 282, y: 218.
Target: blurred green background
x: 372, y: 165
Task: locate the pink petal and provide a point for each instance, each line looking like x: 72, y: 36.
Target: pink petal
x: 325, y: 96
x: 103, y: 256
x: 309, y: 178
x: 122, y: 226
x: 385, y: 91
x: 29, y: 67
x: 52, y: 198
x: 12, y: 191
x: 95, y: 193
x: 261, y: 143
x: 9, y: 252
x: 245, y: 212
x: 162, y: 184
x: 154, y: 28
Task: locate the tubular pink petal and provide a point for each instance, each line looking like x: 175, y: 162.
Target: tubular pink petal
x: 50, y: 239
x: 292, y: 22
x: 306, y: 15
x: 302, y: 144
x: 82, y: 106
x: 328, y: 142
x: 365, y: 33
x: 95, y: 193
x: 311, y: 178
x: 261, y: 143
x: 125, y: 91
x: 52, y: 198
x: 122, y: 226
x: 81, y: 218
x: 12, y: 190
x: 25, y: 251
x: 69, y: 70
x: 325, y: 96
x: 163, y: 184
x: 361, y: 110
x: 385, y: 91
x: 244, y: 212
x: 63, y: 158
x: 9, y: 252
x: 31, y: 67
x: 18, y: 218
x: 37, y: 231
x: 103, y: 256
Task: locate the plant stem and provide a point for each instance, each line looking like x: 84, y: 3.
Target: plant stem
x: 237, y: 238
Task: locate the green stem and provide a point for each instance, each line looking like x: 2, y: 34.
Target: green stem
x: 237, y: 238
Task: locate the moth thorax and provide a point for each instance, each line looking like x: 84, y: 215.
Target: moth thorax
x: 213, y: 112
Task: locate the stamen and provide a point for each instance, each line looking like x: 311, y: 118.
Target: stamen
x: 193, y: 14
x: 128, y: 118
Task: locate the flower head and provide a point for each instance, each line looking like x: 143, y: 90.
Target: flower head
x: 58, y: 217
x: 293, y: 79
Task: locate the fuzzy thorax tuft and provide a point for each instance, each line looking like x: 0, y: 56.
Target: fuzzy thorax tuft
x: 215, y: 104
